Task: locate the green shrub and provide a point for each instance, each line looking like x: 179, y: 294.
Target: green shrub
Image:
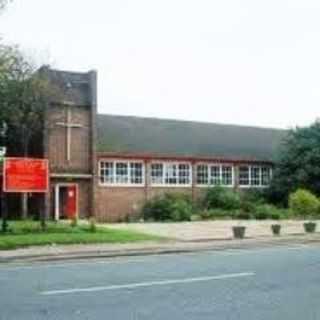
x: 222, y: 198
x: 250, y: 199
x: 269, y: 211
x: 212, y: 214
x: 303, y: 203
x: 181, y: 210
x: 92, y: 225
x: 266, y: 211
x: 275, y: 216
x: 242, y: 215
x: 285, y: 213
x: 169, y: 207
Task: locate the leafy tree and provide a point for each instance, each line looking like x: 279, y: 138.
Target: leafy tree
x: 24, y: 94
x: 23, y: 97
x: 297, y: 163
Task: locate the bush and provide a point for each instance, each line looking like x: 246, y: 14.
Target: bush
x: 250, y: 199
x: 169, y: 207
x: 92, y: 225
x: 222, y: 198
x: 303, y: 203
x: 267, y: 211
x: 212, y: 214
x: 242, y: 215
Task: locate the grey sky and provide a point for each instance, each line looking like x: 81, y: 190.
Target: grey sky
x: 233, y: 61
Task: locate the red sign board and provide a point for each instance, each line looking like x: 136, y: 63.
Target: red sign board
x: 25, y: 175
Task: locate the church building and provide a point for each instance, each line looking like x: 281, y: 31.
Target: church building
x: 107, y: 166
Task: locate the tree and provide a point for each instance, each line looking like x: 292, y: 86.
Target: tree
x: 3, y: 4
x: 24, y: 94
x: 298, y: 163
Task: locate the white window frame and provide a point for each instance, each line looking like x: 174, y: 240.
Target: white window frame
x: 250, y: 185
x: 213, y: 164
x: 164, y: 171
x: 117, y: 184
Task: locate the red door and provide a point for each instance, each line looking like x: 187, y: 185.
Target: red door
x: 71, y: 205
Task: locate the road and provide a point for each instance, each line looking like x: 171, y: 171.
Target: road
x: 268, y: 283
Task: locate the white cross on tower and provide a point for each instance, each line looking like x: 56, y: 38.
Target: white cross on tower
x: 69, y: 126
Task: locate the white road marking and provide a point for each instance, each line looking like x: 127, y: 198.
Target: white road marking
x: 148, y: 284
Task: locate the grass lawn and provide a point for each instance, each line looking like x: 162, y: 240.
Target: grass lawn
x: 28, y: 233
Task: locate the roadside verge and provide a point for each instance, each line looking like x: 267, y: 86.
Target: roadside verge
x: 84, y: 252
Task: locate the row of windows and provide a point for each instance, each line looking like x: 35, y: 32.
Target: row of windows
x: 180, y: 174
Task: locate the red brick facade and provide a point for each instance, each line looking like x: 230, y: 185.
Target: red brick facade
x: 118, y: 203
x: 70, y: 146
x: 70, y: 141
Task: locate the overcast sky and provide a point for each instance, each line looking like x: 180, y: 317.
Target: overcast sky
x: 250, y: 62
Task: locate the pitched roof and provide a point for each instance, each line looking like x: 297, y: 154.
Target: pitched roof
x: 130, y: 134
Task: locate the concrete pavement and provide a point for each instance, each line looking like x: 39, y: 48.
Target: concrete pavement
x: 213, y: 230
x: 263, y: 283
x: 93, y: 251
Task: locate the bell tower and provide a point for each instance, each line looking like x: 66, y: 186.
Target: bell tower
x: 69, y: 140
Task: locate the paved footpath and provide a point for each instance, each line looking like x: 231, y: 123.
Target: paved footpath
x: 279, y: 283
x: 180, y: 237
x: 80, y: 252
x: 212, y: 230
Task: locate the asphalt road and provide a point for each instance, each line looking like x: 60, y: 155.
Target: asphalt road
x: 273, y: 283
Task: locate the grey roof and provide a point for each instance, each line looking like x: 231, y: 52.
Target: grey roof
x: 128, y: 134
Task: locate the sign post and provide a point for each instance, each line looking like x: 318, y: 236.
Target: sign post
x: 26, y: 175
x: 3, y: 143
x: 2, y: 194
x: 3, y: 151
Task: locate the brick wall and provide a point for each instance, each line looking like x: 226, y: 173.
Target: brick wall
x: 80, y: 150
x: 117, y: 203
x: 77, y: 92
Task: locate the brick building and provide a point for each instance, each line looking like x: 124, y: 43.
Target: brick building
x: 108, y: 166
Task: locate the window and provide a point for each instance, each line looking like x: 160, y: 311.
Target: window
x: 184, y: 173
x: 106, y: 172
x: 244, y: 176
x: 226, y: 175
x: 121, y: 173
x: 170, y: 173
x: 254, y: 176
x: 122, y: 176
x: 214, y: 175
x: 202, y: 174
x: 157, y: 173
x: 136, y: 174
x: 266, y: 175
